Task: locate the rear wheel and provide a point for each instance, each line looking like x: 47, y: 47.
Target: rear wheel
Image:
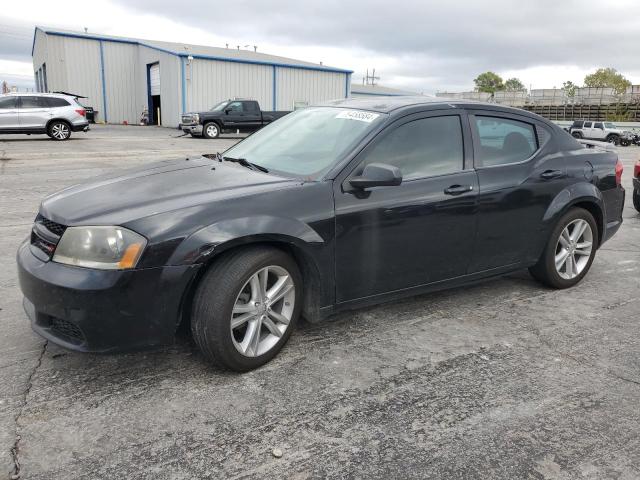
x: 246, y: 307
x: 576, y: 134
x: 211, y: 130
x: 59, y: 130
x: 636, y: 199
x: 569, y: 252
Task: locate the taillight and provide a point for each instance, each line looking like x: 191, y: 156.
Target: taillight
x: 619, y: 169
x: 636, y: 169
x: 81, y: 111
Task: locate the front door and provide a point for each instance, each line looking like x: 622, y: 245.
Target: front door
x: 234, y: 116
x: 33, y: 112
x: 416, y: 233
x: 519, y: 177
x: 597, y: 131
x: 8, y: 112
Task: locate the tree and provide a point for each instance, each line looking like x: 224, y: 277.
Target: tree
x: 488, y: 82
x: 570, y: 88
x: 514, y: 85
x: 607, y: 77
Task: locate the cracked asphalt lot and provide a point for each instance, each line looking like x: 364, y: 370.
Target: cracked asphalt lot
x: 504, y: 379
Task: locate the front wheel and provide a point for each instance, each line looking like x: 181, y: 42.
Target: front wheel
x: 59, y: 130
x: 636, y: 200
x: 615, y: 139
x: 246, y: 307
x: 211, y: 130
x: 570, y: 251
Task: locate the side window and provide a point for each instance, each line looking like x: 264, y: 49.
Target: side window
x: 587, y: 124
x: 251, y: 107
x: 598, y: 125
x: 7, y: 102
x: 421, y: 148
x: 235, y: 106
x: 503, y: 141
x: 33, y: 102
x: 54, y: 102
x: 577, y: 124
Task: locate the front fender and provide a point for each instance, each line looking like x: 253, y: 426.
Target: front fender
x: 217, y: 237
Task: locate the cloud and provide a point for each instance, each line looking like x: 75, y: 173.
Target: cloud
x: 424, y: 45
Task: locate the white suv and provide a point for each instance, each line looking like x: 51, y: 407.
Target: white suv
x: 57, y: 115
x: 605, y: 131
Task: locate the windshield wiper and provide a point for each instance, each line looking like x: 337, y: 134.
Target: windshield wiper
x: 245, y: 163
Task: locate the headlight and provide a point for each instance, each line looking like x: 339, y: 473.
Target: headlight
x: 195, y: 118
x: 107, y: 248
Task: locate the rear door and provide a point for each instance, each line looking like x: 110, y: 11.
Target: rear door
x: 597, y: 131
x: 587, y: 130
x: 252, y: 119
x: 519, y: 175
x: 419, y: 232
x: 33, y: 112
x: 9, y: 112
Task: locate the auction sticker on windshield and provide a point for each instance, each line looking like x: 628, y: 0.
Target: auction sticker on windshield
x: 358, y: 115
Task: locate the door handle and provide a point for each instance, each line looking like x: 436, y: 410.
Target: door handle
x: 458, y: 189
x: 549, y: 174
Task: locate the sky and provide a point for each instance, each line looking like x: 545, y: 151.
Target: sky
x: 424, y: 46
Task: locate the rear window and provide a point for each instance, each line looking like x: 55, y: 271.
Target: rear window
x: 504, y: 141
x: 57, y: 102
x: 33, y: 102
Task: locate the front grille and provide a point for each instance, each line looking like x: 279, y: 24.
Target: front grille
x: 66, y: 329
x: 46, y: 234
x: 42, y: 244
x: 55, y: 228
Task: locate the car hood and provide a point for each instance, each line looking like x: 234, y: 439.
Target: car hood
x: 153, y: 189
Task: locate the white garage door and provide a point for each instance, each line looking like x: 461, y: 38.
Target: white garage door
x: 154, y: 79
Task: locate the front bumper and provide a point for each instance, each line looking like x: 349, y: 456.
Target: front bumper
x: 102, y: 310
x: 192, y: 129
x: 80, y: 127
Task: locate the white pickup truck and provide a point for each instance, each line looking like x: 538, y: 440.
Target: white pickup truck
x: 604, y: 131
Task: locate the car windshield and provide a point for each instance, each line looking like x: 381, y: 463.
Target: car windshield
x: 609, y: 125
x: 307, y: 142
x: 219, y: 107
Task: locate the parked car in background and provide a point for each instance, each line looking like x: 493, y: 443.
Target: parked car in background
x: 347, y: 204
x: 229, y: 116
x: 56, y: 115
x: 604, y: 131
x: 636, y: 186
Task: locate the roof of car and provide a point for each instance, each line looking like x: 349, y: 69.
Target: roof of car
x: 38, y: 94
x: 390, y: 104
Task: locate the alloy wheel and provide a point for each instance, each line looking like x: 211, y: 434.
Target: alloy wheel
x: 573, y: 249
x: 262, y: 311
x: 60, y: 131
x: 212, y: 130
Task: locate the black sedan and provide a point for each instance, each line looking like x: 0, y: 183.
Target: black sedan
x: 332, y: 207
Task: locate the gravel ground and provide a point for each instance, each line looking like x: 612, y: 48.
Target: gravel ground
x: 505, y: 379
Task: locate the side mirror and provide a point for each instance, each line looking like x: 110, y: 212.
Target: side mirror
x: 377, y: 175
x: 227, y: 110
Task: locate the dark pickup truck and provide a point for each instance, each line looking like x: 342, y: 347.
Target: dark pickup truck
x: 228, y: 116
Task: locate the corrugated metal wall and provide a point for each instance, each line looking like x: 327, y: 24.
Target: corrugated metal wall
x: 75, y: 65
x: 211, y: 81
x: 121, y: 69
x: 170, y: 83
x: 308, y: 86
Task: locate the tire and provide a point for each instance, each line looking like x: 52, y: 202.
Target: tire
x: 211, y: 130
x: 576, y: 134
x: 228, y: 286
x: 636, y: 200
x: 546, y: 271
x: 59, y: 130
x: 615, y: 139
